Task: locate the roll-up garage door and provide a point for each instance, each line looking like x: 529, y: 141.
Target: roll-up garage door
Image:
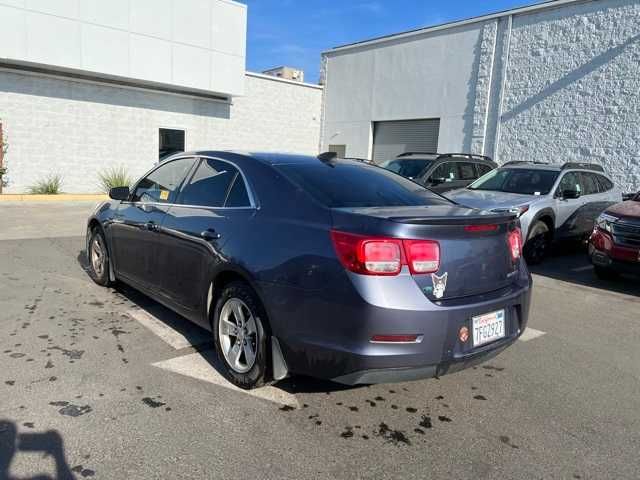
x: 390, y: 139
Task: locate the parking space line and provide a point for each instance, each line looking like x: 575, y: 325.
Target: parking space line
x: 169, y: 335
x: 582, y: 269
x: 195, y: 366
x: 530, y: 334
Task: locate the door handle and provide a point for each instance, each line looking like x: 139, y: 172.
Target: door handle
x: 210, y: 234
x: 151, y: 226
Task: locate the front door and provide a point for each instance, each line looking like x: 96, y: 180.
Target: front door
x: 445, y: 177
x: 568, y: 210
x: 134, y: 232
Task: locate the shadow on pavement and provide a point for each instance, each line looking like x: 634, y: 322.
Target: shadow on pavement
x: 48, y: 443
x: 569, y: 262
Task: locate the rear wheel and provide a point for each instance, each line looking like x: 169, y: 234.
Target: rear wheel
x: 537, y: 247
x: 604, y: 273
x: 240, y: 336
x: 98, y: 256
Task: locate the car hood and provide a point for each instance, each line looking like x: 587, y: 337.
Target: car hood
x: 630, y: 208
x: 488, y: 200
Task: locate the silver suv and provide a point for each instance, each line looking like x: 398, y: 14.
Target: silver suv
x: 553, y: 202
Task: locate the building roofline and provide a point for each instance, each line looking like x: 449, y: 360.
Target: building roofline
x: 458, y: 23
x: 283, y: 80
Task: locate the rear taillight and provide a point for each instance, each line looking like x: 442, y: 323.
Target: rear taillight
x: 515, y: 243
x: 385, y: 256
x: 423, y: 256
x: 381, y: 257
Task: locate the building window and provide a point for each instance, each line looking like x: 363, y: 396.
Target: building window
x: 171, y: 141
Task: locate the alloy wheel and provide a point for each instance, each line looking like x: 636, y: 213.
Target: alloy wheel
x: 238, y: 335
x: 97, y: 255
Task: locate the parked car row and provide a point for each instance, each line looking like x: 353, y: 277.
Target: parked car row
x: 553, y: 202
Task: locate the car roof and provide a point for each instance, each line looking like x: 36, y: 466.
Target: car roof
x: 271, y: 158
x: 444, y: 157
x: 533, y: 166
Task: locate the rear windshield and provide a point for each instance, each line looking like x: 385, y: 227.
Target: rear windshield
x: 350, y: 185
x: 407, y: 168
x: 517, y: 180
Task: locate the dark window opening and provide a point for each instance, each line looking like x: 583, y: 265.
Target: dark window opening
x: 171, y: 141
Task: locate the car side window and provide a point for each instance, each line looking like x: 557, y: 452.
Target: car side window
x: 447, y: 172
x: 483, y: 169
x: 209, y: 185
x: 238, y: 195
x: 570, y: 181
x: 161, y: 185
x: 605, y: 183
x: 590, y: 183
x: 467, y: 171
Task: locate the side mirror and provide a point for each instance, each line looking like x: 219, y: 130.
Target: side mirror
x: 119, y: 193
x: 437, y: 181
x: 570, y: 194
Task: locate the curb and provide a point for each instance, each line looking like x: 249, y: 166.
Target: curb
x: 62, y: 197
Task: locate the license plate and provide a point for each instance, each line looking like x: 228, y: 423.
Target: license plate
x: 488, y: 328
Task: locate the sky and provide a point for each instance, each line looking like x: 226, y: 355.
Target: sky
x: 295, y: 32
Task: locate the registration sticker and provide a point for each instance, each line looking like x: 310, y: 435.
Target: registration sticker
x: 164, y: 194
x: 488, y: 328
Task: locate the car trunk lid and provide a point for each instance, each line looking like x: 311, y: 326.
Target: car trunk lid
x: 475, y: 256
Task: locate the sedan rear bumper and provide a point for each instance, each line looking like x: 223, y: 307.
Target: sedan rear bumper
x: 408, y: 374
x: 350, y: 357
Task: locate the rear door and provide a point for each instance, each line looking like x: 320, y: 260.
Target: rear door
x: 134, y: 233
x: 468, y: 173
x: 596, y: 201
x: 213, y: 207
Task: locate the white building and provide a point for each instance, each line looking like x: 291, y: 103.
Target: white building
x: 557, y: 82
x: 88, y: 84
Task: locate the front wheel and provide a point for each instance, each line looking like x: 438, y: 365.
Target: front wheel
x: 537, y: 247
x: 98, y: 256
x: 240, y: 336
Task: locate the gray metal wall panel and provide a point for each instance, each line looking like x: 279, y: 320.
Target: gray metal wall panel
x: 395, y: 137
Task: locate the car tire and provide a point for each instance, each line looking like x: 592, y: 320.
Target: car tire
x: 537, y: 247
x: 240, y: 336
x: 604, y: 273
x: 98, y: 258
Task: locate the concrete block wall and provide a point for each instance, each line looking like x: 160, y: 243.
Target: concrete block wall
x: 77, y: 129
x: 572, y: 88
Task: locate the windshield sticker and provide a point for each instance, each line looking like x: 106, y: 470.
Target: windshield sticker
x: 439, y: 284
x: 164, y: 195
x: 537, y: 193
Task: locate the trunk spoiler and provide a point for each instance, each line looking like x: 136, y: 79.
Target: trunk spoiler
x: 458, y: 220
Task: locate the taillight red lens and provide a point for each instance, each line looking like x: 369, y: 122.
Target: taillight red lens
x: 423, y: 256
x: 381, y: 257
x: 385, y: 256
x: 515, y: 243
x: 368, y: 256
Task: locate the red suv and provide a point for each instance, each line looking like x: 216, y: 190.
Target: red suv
x: 614, y: 246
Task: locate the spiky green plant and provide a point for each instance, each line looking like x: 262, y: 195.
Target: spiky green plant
x: 114, y: 177
x: 47, y: 186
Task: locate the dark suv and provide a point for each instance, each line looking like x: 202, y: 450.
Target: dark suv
x: 440, y: 172
x: 614, y: 246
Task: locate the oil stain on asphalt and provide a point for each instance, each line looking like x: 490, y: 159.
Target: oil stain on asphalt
x: 70, y: 410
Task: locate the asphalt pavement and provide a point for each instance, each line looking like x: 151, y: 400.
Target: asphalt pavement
x: 104, y: 383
